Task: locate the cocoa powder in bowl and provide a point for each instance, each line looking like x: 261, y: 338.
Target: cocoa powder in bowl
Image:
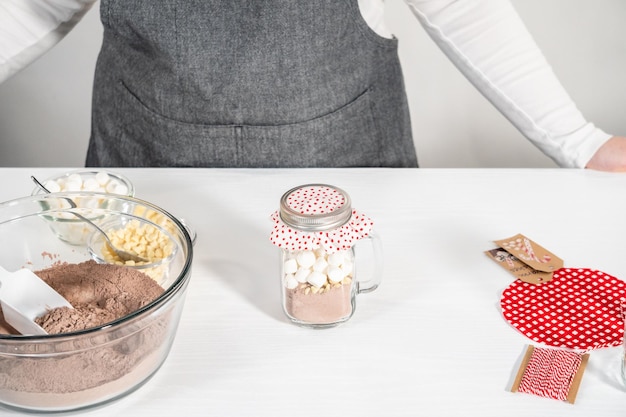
x: 72, y: 370
x: 99, y: 293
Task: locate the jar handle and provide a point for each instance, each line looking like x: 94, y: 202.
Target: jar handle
x: 371, y: 284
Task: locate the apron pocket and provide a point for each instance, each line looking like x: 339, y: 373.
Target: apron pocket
x: 346, y: 137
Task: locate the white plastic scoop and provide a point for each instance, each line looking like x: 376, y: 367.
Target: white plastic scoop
x: 24, y: 297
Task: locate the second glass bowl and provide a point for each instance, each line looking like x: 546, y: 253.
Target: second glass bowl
x: 68, y: 227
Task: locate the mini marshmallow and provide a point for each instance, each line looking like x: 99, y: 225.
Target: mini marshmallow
x: 302, y: 274
x: 316, y: 279
x: 101, y: 182
x: 306, y: 259
x: 110, y: 187
x: 75, y: 178
x: 290, y: 281
x: 320, y: 265
x: 102, y: 177
x: 335, y: 274
x: 335, y: 259
x: 290, y: 266
x: 317, y: 267
x: 121, y: 189
x: 347, y: 267
x: 91, y: 184
x: 53, y: 186
x: 72, y: 186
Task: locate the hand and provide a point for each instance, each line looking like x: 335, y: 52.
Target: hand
x: 611, y: 156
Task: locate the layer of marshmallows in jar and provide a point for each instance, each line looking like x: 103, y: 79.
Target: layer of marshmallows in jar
x: 317, y: 268
x: 100, y: 182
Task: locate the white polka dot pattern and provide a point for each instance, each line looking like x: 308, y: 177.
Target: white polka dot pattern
x: 579, y: 309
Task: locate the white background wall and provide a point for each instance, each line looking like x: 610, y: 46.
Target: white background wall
x: 45, y: 109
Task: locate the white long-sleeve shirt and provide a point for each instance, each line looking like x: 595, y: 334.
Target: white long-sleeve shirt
x: 485, y: 39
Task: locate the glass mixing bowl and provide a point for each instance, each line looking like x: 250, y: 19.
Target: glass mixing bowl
x: 68, y: 371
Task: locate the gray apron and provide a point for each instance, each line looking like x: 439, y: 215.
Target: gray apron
x: 242, y: 83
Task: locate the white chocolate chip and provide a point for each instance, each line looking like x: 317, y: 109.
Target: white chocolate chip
x: 144, y: 240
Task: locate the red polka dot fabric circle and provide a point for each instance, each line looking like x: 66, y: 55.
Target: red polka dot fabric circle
x: 315, y: 200
x: 578, y: 309
x: 318, y: 200
x: 342, y: 238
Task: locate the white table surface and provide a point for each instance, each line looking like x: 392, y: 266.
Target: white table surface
x: 429, y: 341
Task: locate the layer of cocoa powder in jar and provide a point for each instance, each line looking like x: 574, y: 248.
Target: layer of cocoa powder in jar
x: 325, y: 307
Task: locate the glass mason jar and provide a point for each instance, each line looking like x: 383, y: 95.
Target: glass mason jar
x: 316, y: 230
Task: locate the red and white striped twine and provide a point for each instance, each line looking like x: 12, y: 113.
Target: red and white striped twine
x: 550, y: 373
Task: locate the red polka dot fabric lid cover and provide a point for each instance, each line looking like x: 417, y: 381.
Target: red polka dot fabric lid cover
x: 578, y: 309
x: 319, y: 200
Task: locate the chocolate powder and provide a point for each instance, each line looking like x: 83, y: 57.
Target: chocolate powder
x: 100, y: 364
x: 319, y: 308
x: 99, y: 293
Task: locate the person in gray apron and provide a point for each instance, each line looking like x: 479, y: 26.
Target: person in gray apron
x: 240, y: 83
